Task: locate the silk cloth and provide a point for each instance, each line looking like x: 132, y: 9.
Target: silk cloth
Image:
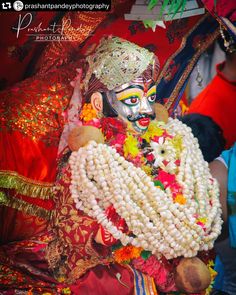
x: 20, y: 53
x: 31, y: 126
x: 29, y: 270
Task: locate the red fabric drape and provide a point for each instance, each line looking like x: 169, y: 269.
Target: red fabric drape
x: 18, y: 52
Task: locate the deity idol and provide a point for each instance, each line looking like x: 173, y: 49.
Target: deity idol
x: 136, y: 208
x: 136, y: 196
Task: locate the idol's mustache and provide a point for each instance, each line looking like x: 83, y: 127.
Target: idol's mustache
x: 136, y: 117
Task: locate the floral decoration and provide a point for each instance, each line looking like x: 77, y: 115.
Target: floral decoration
x: 158, y: 183
x: 127, y: 253
x: 87, y: 113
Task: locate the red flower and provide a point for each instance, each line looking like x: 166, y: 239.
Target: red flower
x: 150, y: 157
x: 166, y: 178
x: 118, y: 140
x: 177, y: 162
x: 113, y: 216
x: 156, y: 138
x: 175, y: 189
x: 112, y: 126
x: 165, y: 162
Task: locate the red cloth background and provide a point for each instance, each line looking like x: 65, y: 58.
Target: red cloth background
x: 18, y: 53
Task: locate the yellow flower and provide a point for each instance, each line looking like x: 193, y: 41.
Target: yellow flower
x: 147, y: 169
x: 177, y: 144
x: 202, y: 220
x: 184, y: 107
x: 153, y: 130
x: 66, y: 291
x: 87, y: 113
x: 131, y: 146
x: 213, y: 274
x: 180, y: 199
x: 210, y: 263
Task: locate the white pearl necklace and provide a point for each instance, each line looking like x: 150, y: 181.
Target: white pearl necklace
x: 101, y: 177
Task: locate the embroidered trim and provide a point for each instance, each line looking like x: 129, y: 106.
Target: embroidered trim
x: 53, y: 253
x: 24, y: 207
x: 83, y: 265
x: 25, y: 186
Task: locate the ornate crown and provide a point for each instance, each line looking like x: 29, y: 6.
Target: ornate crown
x: 117, y: 61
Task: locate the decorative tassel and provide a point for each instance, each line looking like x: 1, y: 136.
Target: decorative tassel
x: 25, y: 186
x: 24, y: 206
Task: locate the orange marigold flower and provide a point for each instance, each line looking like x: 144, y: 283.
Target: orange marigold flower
x: 180, y: 199
x: 126, y: 253
x: 87, y: 113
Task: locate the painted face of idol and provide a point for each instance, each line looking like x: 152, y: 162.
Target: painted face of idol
x: 135, y: 103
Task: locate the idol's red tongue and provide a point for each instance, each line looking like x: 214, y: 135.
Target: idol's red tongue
x: 144, y: 121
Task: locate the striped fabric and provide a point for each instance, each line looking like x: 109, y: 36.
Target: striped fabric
x: 143, y: 284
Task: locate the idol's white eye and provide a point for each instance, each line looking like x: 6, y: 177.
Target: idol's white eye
x: 152, y: 98
x: 131, y: 101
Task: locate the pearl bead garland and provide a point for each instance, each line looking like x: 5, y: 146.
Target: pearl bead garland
x: 101, y: 177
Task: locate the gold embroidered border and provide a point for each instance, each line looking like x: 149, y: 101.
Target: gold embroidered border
x: 24, y: 206
x: 25, y: 186
x: 55, y: 252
